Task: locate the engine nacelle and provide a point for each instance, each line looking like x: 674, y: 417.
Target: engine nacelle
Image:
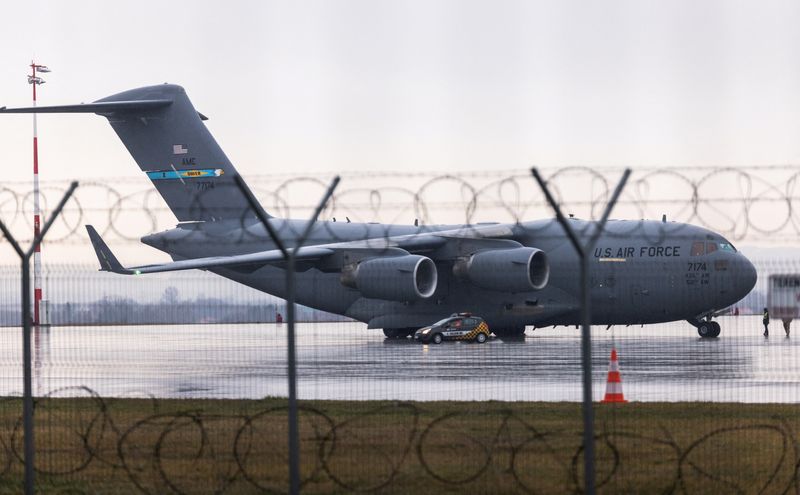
x: 519, y: 269
x: 395, y: 278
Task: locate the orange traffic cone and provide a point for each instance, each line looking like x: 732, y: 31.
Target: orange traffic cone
x: 614, y: 381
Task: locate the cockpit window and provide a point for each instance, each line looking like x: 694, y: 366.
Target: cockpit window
x: 700, y: 248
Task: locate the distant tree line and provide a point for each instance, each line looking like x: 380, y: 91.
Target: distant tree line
x: 115, y: 310
x: 169, y: 310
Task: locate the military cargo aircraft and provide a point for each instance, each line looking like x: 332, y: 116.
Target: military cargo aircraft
x: 402, y: 277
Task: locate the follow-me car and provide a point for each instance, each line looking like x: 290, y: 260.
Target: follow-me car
x: 401, y: 277
x: 461, y: 326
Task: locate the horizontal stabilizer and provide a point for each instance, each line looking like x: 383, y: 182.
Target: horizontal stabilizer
x: 99, y: 107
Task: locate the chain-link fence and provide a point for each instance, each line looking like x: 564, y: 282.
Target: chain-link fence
x: 177, y: 382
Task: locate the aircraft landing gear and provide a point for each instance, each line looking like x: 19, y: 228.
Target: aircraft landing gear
x: 707, y: 329
x: 398, y: 333
x: 510, y: 333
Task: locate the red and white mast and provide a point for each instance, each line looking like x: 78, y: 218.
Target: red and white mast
x: 34, y: 81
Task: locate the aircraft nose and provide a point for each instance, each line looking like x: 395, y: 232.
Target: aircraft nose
x: 746, y: 276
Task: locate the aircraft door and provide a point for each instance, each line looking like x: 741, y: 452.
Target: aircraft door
x: 639, y: 289
x: 604, y: 288
x: 722, y: 281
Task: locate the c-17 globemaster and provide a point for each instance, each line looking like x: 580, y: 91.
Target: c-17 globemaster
x: 402, y: 277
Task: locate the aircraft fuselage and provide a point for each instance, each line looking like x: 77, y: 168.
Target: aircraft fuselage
x: 639, y: 272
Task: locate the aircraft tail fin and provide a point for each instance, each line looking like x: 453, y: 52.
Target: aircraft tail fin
x: 166, y: 136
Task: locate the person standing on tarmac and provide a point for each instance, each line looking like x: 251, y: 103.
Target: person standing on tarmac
x: 765, y: 321
x: 786, y: 323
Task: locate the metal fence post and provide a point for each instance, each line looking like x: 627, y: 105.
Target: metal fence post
x: 290, y: 256
x: 27, y: 369
x: 583, y: 251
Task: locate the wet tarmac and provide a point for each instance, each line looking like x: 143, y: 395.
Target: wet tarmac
x: 666, y: 362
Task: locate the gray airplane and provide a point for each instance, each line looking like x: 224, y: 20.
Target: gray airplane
x: 401, y: 277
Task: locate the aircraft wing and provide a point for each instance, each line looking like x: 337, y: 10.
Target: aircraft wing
x: 429, y: 240
x: 109, y: 262
x: 409, y: 243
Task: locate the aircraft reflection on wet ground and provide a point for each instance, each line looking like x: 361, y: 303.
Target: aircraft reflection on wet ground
x: 665, y: 362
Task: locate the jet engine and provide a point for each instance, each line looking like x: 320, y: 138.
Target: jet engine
x: 519, y: 269
x: 396, y: 278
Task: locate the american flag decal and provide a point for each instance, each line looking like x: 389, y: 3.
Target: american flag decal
x: 179, y: 149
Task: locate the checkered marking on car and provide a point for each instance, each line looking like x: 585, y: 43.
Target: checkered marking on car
x: 468, y: 334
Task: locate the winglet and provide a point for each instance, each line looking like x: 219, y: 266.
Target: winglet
x: 108, y: 262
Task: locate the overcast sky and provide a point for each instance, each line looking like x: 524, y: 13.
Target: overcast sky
x: 446, y: 86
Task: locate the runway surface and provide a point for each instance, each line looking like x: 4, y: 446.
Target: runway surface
x: 666, y: 362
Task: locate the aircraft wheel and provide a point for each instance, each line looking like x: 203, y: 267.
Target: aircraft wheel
x: 480, y: 338
x: 716, y: 329
x: 437, y: 339
x: 706, y: 329
x: 391, y: 333
x: 509, y: 332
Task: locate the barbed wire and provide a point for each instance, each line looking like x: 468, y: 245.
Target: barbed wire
x: 146, y: 449
x: 748, y: 203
